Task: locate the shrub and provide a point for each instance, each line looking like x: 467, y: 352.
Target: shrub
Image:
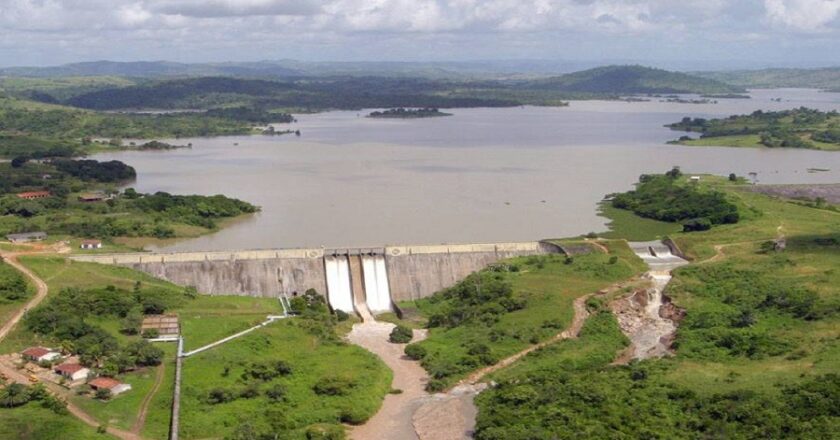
x: 103, y: 394
x: 219, y: 395
x: 401, y: 335
x: 333, y: 385
x: 151, y: 333
x: 435, y: 386
x: 415, y: 351
x: 341, y: 315
x: 249, y: 392
x: 324, y: 431
x: 276, y: 393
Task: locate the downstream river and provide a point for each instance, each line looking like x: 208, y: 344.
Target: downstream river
x: 482, y: 175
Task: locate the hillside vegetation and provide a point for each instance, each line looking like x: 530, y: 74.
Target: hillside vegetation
x: 633, y: 80
x: 797, y: 128
x: 825, y: 78
x: 756, y: 354
x: 355, y: 92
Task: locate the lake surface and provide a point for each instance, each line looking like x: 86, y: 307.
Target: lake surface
x: 482, y: 175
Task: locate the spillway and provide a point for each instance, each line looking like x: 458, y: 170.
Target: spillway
x: 376, y: 284
x: 339, y: 292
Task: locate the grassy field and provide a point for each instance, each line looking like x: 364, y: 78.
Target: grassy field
x: 210, y: 318
x: 120, y: 411
x: 627, y: 225
x: 31, y: 421
x: 761, y: 331
x: 548, y: 285
x: 366, y: 381
x: 205, y: 319
x: 9, y: 306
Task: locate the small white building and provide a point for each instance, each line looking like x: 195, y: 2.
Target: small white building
x: 110, y: 384
x: 40, y: 354
x: 72, y: 372
x: 91, y: 244
x: 694, y: 179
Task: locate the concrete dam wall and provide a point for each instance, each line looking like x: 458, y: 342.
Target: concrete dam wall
x: 382, y: 276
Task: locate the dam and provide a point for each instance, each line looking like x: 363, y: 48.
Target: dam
x: 373, y: 279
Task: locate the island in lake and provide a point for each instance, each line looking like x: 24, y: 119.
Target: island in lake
x: 797, y: 128
x: 408, y: 113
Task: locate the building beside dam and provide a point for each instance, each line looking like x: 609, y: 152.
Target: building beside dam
x: 374, y: 279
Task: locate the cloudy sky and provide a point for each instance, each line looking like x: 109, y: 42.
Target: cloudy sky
x: 721, y: 32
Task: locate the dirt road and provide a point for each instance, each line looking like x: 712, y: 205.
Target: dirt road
x: 144, y: 406
x: 62, y: 393
x: 394, y: 419
x: 41, y: 293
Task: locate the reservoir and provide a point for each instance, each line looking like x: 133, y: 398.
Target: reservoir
x: 481, y: 175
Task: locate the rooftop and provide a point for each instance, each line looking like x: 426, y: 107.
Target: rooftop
x: 36, y: 352
x: 69, y: 368
x: 104, y: 382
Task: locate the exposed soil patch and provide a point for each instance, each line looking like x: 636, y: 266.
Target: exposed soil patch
x: 830, y: 191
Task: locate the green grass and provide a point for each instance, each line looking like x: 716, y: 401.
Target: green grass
x: 548, y: 285
x: 569, y: 389
x: 209, y: 318
x: 31, y: 422
x: 627, y: 225
x: 160, y: 408
x: 121, y: 410
x: 311, y: 360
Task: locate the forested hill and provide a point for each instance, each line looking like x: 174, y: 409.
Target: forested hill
x: 356, y: 92
x: 301, y: 93
x: 632, y: 80
x: 825, y: 78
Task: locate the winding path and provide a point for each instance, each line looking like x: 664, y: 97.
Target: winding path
x: 414, y: 414
x: 41, y: 293
x: 140, y: 421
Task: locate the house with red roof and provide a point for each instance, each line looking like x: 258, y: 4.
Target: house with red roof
x: 110, y: 384
x: 40, y: 354
x: 71, y: 371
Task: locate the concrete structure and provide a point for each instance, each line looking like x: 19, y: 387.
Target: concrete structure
x: 40, y: 354
x: 166, y: 325
x: 72, y: 372
x: 113, y: 385
x: 386, y: 274
x: 91, y: 244
x: 26, y: 237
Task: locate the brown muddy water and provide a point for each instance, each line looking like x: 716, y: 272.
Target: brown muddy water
x: 482, y: 175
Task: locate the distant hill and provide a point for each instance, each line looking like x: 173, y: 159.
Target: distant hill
x: 824, y: 78
x: 152, y: 69
x: 632, y: 80
x: 304, y: 94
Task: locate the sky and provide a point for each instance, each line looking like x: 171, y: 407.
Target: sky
x: 712, y: 33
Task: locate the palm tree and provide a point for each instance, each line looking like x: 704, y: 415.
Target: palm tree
x: 14, y: 395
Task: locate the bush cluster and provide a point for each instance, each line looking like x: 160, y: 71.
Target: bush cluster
x: 662, y: 197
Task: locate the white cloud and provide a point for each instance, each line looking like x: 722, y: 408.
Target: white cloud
x: 155, y: 29
x: 803, y: 15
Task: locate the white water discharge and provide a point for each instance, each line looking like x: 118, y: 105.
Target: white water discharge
x: 642, y: 319
x: 377, y: 292
x: 339, y: 291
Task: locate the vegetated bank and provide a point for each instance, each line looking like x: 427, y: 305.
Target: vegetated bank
x: 797, y: 128
x: 80, y: 198
x: 508, y: 307
x: 674, y: 198
x: 280, y: 380
x: 756, y: 354
x: 408, y: 113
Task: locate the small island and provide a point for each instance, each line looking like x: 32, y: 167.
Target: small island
x: 408, y: 113
x: 797, y: 128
